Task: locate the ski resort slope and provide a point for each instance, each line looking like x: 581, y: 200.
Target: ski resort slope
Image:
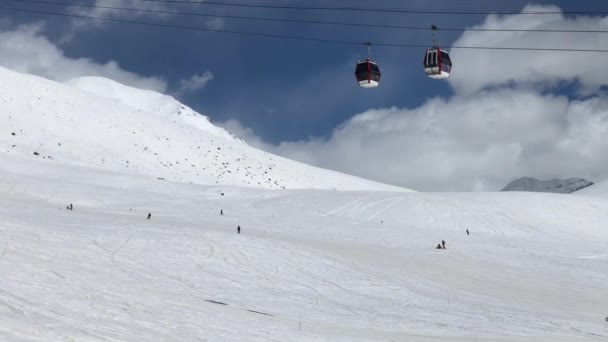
x: 97, y: 122
x: 309, y: 265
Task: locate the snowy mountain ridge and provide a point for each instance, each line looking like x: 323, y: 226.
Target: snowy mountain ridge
x: 558, y: 186
x: 599, y: 189
x: 96, y: 122
x: 147, y: 101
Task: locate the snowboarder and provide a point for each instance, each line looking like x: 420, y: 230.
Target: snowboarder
x: 238, y: 229
x: 149, y: 215
x: 438, y: 246
x: 443, y: 244
x: 468, y: 232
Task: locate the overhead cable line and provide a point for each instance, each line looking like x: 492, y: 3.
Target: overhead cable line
x: 269, y: 35
x: 318, y: 22
x: 364, y: 9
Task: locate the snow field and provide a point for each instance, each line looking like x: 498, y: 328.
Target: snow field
x: 310, y: 265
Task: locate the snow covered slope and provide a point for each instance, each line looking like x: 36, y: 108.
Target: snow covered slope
x: 599, y: 189
x: 149, y: 102
x: 558, y: 186
x: 140, y: 132
x: 309, y: 265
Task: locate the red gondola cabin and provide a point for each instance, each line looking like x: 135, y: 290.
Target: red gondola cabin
x: 367, y: 73
x: 437, y: 63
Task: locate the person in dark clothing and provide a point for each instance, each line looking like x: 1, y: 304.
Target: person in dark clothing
x: 468, y: 232
x: 438, y: 246
x: 70, y: 207
x: 238, y: 229
x: 222, y: 212
x: 149, y: 215
x: 443, y: 244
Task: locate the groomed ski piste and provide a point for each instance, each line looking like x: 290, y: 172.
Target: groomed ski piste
x: 321, y: 256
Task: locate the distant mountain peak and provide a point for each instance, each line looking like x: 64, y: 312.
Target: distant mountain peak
x: 558, y: 186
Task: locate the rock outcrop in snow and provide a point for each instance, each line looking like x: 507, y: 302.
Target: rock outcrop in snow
x: 558, y: 186
x: 103, y: 124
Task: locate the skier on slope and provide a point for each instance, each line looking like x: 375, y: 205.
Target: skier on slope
x: 238, y: 229
x: 443, y: 243
x: 149, y: 216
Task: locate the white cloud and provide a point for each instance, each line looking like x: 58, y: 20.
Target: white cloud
x: 104, y: 10
x: 194, y: 83
x: 478, y: 142
x: 132, y: 9
x: 27, y: 50
x: 478, y: 69
x: 215, y: 23
x: 246, y: 134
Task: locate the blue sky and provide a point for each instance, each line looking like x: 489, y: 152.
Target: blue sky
x: 280, y: 92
